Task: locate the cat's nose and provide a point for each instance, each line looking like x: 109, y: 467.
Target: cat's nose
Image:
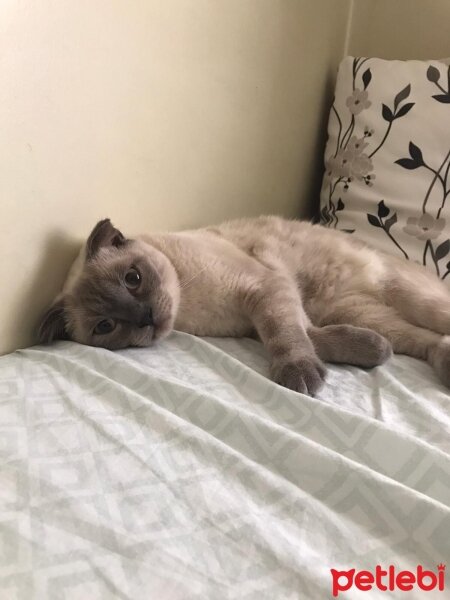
x: 146, y: 318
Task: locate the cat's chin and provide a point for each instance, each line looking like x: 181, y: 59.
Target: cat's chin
x: 144, y: 339
x: 148, y: 335
x: 162, y: 330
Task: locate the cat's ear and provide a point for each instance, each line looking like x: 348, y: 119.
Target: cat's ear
x: 103, y: 234
x: 53, y: 325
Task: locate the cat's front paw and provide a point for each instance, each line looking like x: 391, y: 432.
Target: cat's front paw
x: 305, y: 375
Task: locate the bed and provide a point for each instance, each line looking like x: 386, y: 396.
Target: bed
x: 181, y: 471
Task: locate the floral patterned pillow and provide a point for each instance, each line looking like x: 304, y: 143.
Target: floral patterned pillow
x: 387, y: 159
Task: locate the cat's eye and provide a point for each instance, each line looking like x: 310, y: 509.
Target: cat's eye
x: 104, y: 327
x: 132, y: 279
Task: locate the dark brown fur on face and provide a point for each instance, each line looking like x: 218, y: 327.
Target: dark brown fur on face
x: 53, y: 325
x: 100, y: 294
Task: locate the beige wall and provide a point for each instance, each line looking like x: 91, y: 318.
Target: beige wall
x: 402, y: 29
x: 168, y: 114
x: 157, y: 113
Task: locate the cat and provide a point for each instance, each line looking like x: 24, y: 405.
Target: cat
x: 311, y: 294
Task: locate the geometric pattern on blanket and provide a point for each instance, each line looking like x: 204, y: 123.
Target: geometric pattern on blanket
x: 182, y: 472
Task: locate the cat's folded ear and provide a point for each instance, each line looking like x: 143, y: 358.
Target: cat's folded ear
x: 53, y: 325
x: 104, y: 234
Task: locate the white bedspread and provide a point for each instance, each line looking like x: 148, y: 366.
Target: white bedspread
x: 182, y: 472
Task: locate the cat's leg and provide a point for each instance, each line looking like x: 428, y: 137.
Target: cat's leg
x: 419, y: 296
x: 352, y: 345
x: 275, y: 309
x: 405, y: 337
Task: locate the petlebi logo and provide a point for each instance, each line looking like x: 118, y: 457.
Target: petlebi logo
x: 388, y: 580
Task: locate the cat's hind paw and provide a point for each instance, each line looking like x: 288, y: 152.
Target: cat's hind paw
x: 351, y: 345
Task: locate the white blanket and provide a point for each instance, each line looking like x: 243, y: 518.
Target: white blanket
x: 181, y: 472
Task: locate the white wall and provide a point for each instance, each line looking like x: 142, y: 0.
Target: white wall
x: 157, y: 113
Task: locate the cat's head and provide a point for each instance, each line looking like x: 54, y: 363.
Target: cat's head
x: 118, y: 293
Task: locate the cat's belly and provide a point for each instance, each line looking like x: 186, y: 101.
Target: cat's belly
x: 324, y: 284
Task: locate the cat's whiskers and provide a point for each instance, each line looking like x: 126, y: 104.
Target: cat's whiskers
x: 184, y: 284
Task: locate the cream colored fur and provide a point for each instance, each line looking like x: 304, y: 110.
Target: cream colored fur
x: 309, y: 293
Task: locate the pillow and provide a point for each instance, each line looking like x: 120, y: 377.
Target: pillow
x: 387, y: 159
